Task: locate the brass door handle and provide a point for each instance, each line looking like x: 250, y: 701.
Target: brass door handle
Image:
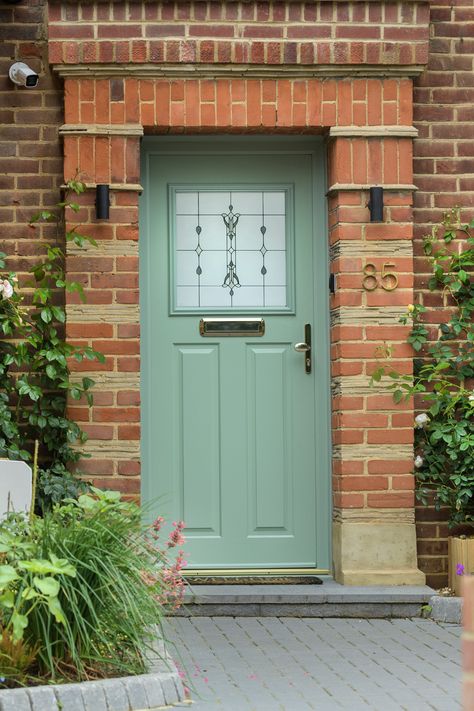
x: 305, y: 348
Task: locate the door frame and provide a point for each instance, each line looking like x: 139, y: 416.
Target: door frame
x: 281, y: 144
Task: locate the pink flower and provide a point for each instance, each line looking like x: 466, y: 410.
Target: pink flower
x: 176, y: 537
x: 170, y: 584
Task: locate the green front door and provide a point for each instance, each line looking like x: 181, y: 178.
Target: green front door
x: 233, y: 268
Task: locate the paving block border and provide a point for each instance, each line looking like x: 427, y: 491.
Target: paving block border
x: 446, y: 609
x: 162, y: 687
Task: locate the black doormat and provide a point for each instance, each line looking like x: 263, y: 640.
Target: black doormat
x: 253, y: 580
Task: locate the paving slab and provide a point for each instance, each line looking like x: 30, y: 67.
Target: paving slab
x: 325, y: 664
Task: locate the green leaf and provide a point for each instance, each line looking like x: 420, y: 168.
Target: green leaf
x: 48, y: 586
x: 56, y: 609
x: 46, y: 315
x: 7, y: 575
x: 7, y: 599
x: 55, y: 566
x: 63, y: 566
x: 86, y: 502
x: 51, y: 371
x: 29, y: 593
x: 19, y: 623
x: 58, y: 313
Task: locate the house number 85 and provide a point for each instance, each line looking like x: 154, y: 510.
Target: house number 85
x: 388, y: 280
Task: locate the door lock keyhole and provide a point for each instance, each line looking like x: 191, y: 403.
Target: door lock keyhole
x: 306, y: 348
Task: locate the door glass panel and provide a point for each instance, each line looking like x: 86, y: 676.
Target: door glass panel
x: 231, y: 249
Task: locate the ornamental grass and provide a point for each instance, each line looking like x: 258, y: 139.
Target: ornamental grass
x: 82, y: 590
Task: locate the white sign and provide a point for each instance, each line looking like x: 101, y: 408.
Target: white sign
x: 16, y: 481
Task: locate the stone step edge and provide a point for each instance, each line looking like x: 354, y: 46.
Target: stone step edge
x: 376, y: 610
x: 234, y: 595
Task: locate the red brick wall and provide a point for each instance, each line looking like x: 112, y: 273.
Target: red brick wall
x: 276, y: 33
x: 444, y: 174
x: 272, y: 33
x: 30, y: 150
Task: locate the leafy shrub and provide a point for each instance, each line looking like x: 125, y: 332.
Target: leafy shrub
x: 444, y: 372
x: 35, y: 378
x: 81, y: 589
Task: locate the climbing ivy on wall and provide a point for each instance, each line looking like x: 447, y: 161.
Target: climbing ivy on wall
x: 35, y: 375
x: 444, y: 374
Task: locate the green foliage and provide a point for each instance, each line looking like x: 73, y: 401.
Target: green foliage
x: 443, y: 375
x: 35, y: 378
x: 80, y: 590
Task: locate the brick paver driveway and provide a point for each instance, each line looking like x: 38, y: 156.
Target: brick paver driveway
x: 270, y: 664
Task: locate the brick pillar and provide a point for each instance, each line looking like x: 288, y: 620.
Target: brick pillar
x: 374, y: 540
x: 109, y: 320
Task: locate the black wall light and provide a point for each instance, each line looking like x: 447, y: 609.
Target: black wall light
x: 102, y: 202
x: 375, y: 204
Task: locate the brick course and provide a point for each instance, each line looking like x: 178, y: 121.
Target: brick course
x: 239, y: 32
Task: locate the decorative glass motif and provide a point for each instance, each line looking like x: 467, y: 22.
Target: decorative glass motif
x: 231, y: 280
x: 230, y: 249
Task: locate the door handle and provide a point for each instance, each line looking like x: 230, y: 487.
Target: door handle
x: 305, y: 348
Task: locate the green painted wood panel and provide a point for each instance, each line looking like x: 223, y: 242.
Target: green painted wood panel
x: 198, y: 426
x: 235, y: 433
x: 270, y: 469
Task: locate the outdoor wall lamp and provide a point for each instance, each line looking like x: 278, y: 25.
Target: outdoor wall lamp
x: 375, y: 204
x: 102, y: 202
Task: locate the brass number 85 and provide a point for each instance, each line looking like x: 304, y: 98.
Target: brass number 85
x: 388, y: 280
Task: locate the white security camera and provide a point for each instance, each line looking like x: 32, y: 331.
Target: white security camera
x: 21, y: 74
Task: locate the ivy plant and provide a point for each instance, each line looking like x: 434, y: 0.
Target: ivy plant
x: 35, y: 375
x: 444, y: 374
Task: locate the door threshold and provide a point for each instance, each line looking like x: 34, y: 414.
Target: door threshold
x: 252, y: 572
x: 254, y: 580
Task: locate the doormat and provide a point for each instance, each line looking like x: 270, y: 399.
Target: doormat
x: 253, y: 580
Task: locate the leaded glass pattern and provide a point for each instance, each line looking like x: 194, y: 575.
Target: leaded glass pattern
x: 230, y: 249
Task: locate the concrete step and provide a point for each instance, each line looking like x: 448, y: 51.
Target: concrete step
x: 330, y: 599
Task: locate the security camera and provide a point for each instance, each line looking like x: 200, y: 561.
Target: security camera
x: 21, y: 74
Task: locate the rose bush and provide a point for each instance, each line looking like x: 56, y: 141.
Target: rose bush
x: 444, y: 375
